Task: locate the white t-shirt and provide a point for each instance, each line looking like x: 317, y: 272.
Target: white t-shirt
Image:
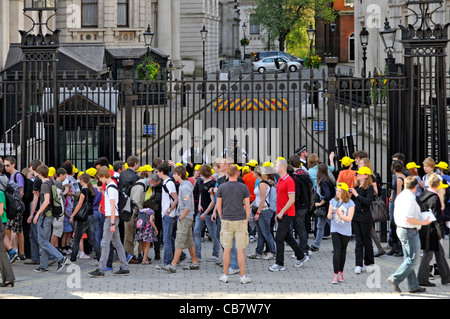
x: 166, y: 201
x: 111, y: 193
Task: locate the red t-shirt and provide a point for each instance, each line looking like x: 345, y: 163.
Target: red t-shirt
x: 250, y: 180
x: 286, y: 185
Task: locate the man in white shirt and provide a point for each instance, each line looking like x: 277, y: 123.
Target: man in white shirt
x: 408, y: 221
x: 110, y: 228
x: 169, y: 202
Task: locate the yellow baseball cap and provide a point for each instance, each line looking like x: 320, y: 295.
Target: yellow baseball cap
x: 412, y: 165
x: 442, y: 165
x: 253, y: 163
x: 197, y: 167
x: 343, y: 186
x: 74, y: 169
x: 346, y: 161
x: 442, y: 185
x: 91, y: 171
x: 280, y: 158
x: 179, y: 164
x: 268, y: 164
x: 245, y: 170
x: 145, y: 168
x: 51, y: 171
x: 364, y: 171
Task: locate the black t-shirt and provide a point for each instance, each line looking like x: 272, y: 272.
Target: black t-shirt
x: 87, y: 195
x: 37, y: 188
x: 205, y: 194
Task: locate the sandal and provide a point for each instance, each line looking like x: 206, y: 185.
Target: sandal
x: 145, y: 262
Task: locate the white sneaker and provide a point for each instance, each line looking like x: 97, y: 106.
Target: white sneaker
x: 223, y: 278
x: 300, y: 263
x: 82, y: 255
x: 245, y: 280
x: 232, y: 271
x: 269, y: 256
x: 276, y: 267
x: 358, y: 270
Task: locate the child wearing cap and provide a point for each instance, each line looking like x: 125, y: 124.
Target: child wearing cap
x: 347, y: 175
x: 412, y: 168
x: 340, y: 212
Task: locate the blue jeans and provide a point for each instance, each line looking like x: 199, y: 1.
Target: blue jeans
x: 411, y: 257
x: 98, y: 226
x: 212, y: 230
x: 88, y: 228
x: 168, y: 224
x: 44, y: 227
x: 264, y: 232
x: 34, y: 245
x: 320, y: 230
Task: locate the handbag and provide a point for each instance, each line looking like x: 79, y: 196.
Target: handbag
x: 378, y: 210
x: 84, y: 212
x: 321, y: 212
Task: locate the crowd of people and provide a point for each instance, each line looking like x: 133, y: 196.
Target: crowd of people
x: 174, y: 206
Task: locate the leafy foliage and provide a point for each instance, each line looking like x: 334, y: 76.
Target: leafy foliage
x: 148, y: 70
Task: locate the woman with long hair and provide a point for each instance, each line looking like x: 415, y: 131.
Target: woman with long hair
x: 363, y: 195
x: 263, y: 215
x: 87, y: 226
x: 340, y: 213
x: 325, y: 191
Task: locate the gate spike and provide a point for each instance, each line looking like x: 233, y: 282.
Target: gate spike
x: 399, y: 71
x: 75, y: 76
x: 16, y: 75
x: 64, y: 75
x: 350, y: 73
x: 339, y: 74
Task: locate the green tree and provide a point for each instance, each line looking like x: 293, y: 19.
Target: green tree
x: 280, y: 17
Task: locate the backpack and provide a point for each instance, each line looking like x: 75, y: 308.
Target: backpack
x: 57, y: 200
x: 14, y: 203
x: 27, y: 189
x: 125, y: 206
x: 177, y: 186
x: 305, y: 193
x: 143, y: 218
x: 272, y: 197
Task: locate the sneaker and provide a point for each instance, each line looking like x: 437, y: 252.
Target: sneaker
x: 276, y: 267
x: 395, y: 286
x: 61, y: 263
x: 358, y: 270
x: 299, y: 263
x: 22, y: 257
x: 192, y: 267
x: 213, y: 259
x: 223, y: 278
x: 252, y: 239
x: 245, y: 280
x: 82, y: 255
x: 129, y: 257
x: 108, y: 268
x: 335, y: 279
x: 314, y: 248
x: 96, y: 274
x: 170, y: 268
x: 232, y: 271
x: 13, y: 255
x: 122, y: 272
x: 39, y: 269
x: 340, y: 276
x: 269, y: 256
x: 254, y: 256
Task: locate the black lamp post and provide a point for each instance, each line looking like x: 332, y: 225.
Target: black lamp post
x: 38, y: 39
x: 244, y: 28
x: 204, y: 35
x: 388, y: 38
x: 148, y: 38
x: 364, y: 38
x: 311, y: 34
x: 332, y: 30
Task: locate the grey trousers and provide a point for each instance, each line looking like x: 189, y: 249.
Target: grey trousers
x: 424, y: 268
x: 5, y: 266
x: 114, y: 238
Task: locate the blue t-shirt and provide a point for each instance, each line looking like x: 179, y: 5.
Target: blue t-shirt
x: 337, y: 224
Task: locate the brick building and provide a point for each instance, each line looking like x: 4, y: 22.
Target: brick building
x: 343, y: 38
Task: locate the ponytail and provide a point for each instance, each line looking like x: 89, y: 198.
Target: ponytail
x: 87, y: 179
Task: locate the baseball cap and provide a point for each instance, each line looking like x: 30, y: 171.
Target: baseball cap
x: 91, y: 171
x: 412, y: 165
x: 51, y: 171
x: 442, y: 165
x: 346, y: 161
x: 268, y: 164
x: 364, y: 171
x: 343, y: 186
x: 253, y: 163
x: 442, y: 185
x: 280, y: 158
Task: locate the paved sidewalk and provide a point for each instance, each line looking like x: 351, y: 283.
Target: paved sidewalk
x: 313, y: 280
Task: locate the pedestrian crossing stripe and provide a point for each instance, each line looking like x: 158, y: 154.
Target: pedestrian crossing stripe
x: 251, y: 105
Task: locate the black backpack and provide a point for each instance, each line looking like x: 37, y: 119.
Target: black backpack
x: 125, y: 206
x: 304, y: 190
x: 14, y: 203
x: 27, y: 189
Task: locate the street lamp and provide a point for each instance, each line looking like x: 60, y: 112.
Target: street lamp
x: 388, y: 38
x: 244, y: 28
x: 311, y: 34
x: 364, y: 38
x: 148, y: 38
x: 204, y: 35
x: 332, y: 30
x: 40, y: 6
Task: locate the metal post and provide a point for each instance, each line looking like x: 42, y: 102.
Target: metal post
x: 331, y: 96
x: 128, y: 91
x: 204, y: 80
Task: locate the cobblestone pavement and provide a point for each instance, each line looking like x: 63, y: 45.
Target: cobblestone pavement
x: 312, y: 281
